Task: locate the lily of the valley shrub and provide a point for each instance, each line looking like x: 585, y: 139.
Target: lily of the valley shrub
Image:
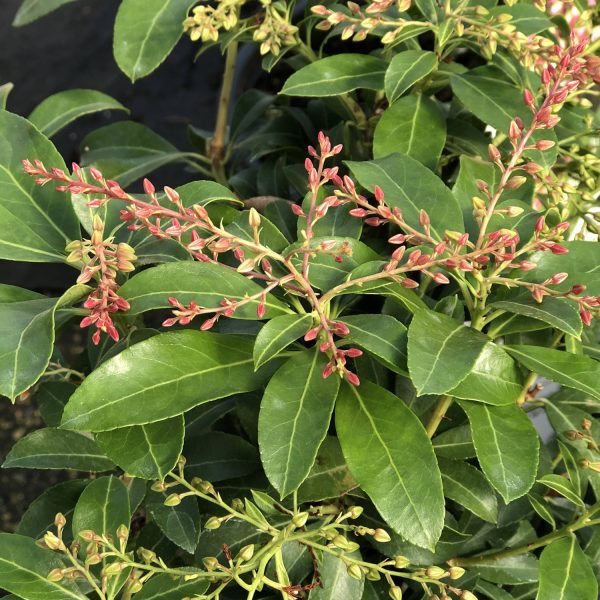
x: 317, y: 369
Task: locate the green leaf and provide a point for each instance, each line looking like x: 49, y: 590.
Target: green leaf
x: 392, y: 459
x: 205, y: 192
x: 58, y: 110
x: 40, y: 514
x: 557, y: 312
x: 181, y: 523
x: 573, y: 370
x: 410, y: 186
x: 51, y: 397
x: 126, y: 151
x: 216, y: 456
x: 381, y: 335
x: 455, y: 443
x: 414, y: 126
x: 542, y: 509
x: 406, y: 68
x: 146, y: 451
x: 329, y: 477
x: 36, y: 222
x: 294, y: 419
x: 164, y: 587
x: 507, y: 446
x: 467, y: 486
x: 496, y: 102
x: 562, y: 486
x: 31, y: 10
x: 5, y: 91
x: 102, y: 507
x: 525, y: 17
x: 278, y: 334
x: 336, y: 75
x: 24, y: 568
x: 57, y: 449
x: 146, y: 32
x: 511, y: 571
x: 336, y: 582
x: 198, y: 366
x: 441, y: 351
x: 207, y: 284
x: 566, y: 573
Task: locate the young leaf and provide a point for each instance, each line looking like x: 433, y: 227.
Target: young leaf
x: 146, y: 451
x: 467, y: 486
x: 542, y: 509
x: 5, y: 90
x: 337, y: 582
x: 36, y: 223
x: 507, y: 446
x: 294, y: 418
x: 24, y: 568
x: 392, y: 459
x: 411, y: 187
x: 336, y: 75
x: 562, y: 486
x: 102, y: 507
x: 573, y: 370
x: 414, y: 126
x: 207, y: 284
x: 525, y: 17
x: 58, y: 110
x: 510, y: 570
x: 57, y: 449
x: 406, y: 68
x: 201, y: 366
x: 31, y: 10
x: 164, y: 587
x: 557, y: 312
x: 180, y: 523
x: 145, y: 33
x: 565, y: 572
x: 381, y: 335
x: 277, y: 334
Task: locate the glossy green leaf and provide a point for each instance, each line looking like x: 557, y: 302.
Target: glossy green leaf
x: 573, y: 370
x: 36, y: 223
x: 414, y: 126
x: 40, y: 514
x: 441, y: 351
x: 467, y: 486
x: 58, y: 110
x: 216, y: 456
x: 51, y: 448
x: 126, y: 151
x: 336, y: 582
x: 27, y: 339
x: 566, y: 573
x: 51, y: 397
x: 205, y: 192
x: 164, y: 587
x: 278, y: 334
x: 510, y: 570
x: 31, y: 10
x: 525, y: 17
x: 557, y: 312
x: 102, y: 507
x: 146, y: 32
x: 486, y: 94
x: 542, y: 509
x: 392, y: 459
x: 335, y: 75
x: 406, y: 68
x: 329, y: 477
x: 200, y: 366
x: 383, y: 336
x: 146, y: 451
x: 410, y: 186
x: 180, y: 523
x: 507, y: 446
x: 234, y: 532
x: 294, y: 419
x: 207, y: 284
x: 455, y: 443
x: 24, y: 568
x: 562, y: 486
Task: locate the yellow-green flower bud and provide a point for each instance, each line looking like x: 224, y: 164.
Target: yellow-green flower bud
x: 55, y: 575
x: 467, y: 595
x: 381, y: 535
x: 172, y: 500
x: 395, y: 592
x: 299, y: 520
x: 456, y: 572
x: 400, y: 562
x: 355, y: 571
x: 436, y: 572
x: 212, y: 523
x: 356, y: 511
x: 210, y: 562
x: 246, y: 553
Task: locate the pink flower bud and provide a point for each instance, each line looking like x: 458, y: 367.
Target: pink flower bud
x: 341, y: 329
x: 577, y: 289
x: 424, y: 218
x: 308, y: 165
x: 351, y: 378
x: 440, y: 278
x: 96, y: 174
x: 399, y: 238
x: 374, y: 221
x: 493, y: 153
x: 148, y: 187
x: 558, y: 249
x: 353, y: 353
x: 514, y: 131
x: 586, y: 316
x: 544, y: 144
x: 398, y: 253
x: 527, y: 265
x: 540, y: 224
x: 297, y: 210
x: 359, y: 212
x: 324, y: 346
x: 311, y: 334
x: 260, y: 310
x: 208, y: 324
x: 409, y: 283
x: 528, y: 98
x: 328, y: 370
x: 558, y: 278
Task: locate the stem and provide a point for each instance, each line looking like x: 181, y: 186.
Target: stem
x: 438, y: 414
x: 217, y: 143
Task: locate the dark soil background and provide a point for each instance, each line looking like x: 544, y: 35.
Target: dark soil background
x: 72, y: 48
